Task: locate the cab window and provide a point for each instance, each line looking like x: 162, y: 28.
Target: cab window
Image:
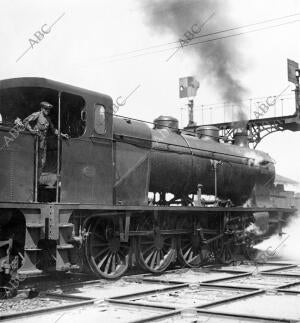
x: 20, y: 102
x: 73, y: 115
x: 100, y: 122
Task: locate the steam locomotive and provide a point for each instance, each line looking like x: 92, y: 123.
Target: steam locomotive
x: 119, y: 193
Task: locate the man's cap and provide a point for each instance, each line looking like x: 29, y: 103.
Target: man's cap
x: 46, y: 105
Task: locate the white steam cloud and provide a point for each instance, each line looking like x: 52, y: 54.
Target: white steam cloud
x: 285, y: 247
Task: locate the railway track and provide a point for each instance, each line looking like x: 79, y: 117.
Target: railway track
x: 246, y: 292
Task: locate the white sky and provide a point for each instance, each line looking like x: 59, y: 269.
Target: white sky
x: 74, y: 52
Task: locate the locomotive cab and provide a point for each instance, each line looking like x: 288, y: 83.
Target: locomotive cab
x: 83, y: 115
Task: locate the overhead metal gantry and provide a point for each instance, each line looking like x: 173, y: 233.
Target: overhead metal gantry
x: 259, y: 128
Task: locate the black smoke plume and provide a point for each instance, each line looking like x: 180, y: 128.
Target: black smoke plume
x: 218, y: 61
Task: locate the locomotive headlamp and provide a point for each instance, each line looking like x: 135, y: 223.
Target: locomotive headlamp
x: 297, y: 73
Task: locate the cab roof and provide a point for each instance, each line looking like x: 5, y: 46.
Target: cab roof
x: 50, y: 84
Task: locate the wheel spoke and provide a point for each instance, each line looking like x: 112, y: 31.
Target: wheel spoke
x: 113, y: 263
x: 194, y: 258
x: 149, y: 257
x: 105, y: 253
x: 148, y: 249
x: 103, y: 260
x: 190, y: 257
x: 119, y: 261
x: 155, y: 252
x: 108, y: 264
x: 186, y: 246
x: 187, y: 252
x: 100, y: 253
x: 153, y: 259
x: 158, y: 258
x: 169, y: 253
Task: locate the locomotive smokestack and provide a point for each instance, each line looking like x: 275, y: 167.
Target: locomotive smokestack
x: 241, y: 138
x: 217, y: 60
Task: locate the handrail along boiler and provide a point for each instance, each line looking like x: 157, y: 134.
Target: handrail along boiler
x: 118, y: 192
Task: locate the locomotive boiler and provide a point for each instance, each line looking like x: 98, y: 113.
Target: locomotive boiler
x: 229, y: 172
x: 119, y: 193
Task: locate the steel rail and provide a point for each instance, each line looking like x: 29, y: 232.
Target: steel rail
x: 82, y: 301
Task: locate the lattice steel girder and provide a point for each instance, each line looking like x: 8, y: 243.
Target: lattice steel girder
x: 257, y: 129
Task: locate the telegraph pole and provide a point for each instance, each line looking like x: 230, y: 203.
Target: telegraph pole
x: 293, y: 77
x: 297, y: 91
x: 188, y: 87
x: 191, y: 113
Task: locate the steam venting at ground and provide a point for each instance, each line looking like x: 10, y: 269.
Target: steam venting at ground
x: 216, y: 61
x: 284, y: 247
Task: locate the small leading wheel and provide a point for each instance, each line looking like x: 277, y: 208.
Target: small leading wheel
x: 155, y: 251
x: 106, y: 255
